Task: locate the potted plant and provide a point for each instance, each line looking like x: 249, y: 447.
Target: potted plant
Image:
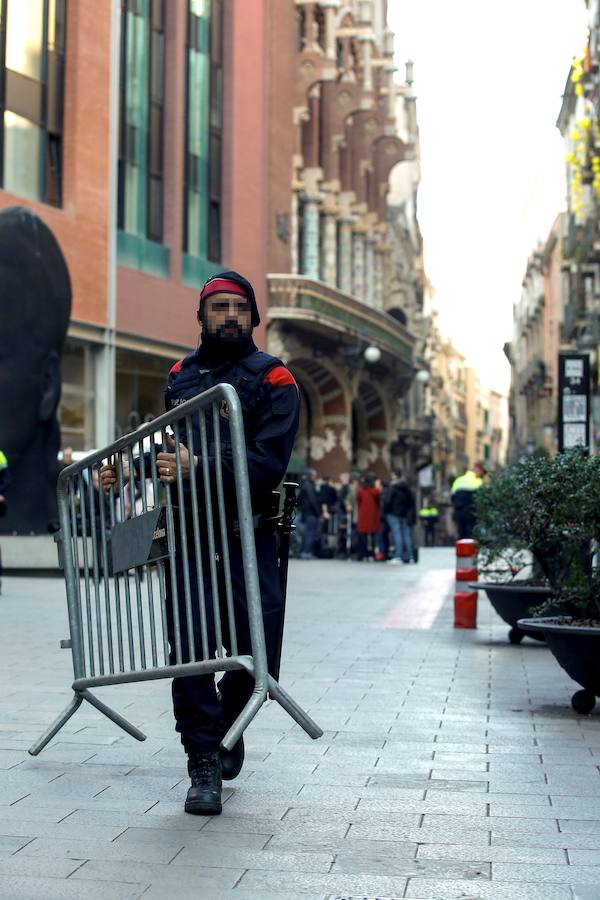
x: 512, y: 561
x: 564, y: 500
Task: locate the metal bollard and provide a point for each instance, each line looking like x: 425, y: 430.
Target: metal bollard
x: 465, y: 601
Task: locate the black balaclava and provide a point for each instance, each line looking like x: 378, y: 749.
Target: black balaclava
x: 213, y: 350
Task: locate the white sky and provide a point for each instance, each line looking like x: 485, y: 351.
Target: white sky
x: 489, y: 76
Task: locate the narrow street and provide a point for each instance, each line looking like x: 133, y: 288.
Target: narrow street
x: 452, y: 765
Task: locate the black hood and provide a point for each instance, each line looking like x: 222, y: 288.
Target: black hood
x: 248, y: 290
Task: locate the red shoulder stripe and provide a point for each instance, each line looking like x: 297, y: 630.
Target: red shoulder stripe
x: 176, y: 368
x: 279, y: 376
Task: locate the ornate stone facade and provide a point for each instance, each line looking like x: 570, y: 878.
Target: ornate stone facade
x: 336, y: 300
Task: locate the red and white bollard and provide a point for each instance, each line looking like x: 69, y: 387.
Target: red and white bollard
x: 465, y: 600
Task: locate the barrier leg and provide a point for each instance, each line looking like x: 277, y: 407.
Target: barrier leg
x: 64, y: 717
x: 114, y: 716
x: 296, y: 712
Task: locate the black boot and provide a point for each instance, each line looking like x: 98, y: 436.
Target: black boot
x: 232, y: 760
x: 204, y: 796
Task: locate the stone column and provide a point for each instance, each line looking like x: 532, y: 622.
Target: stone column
x: 358, y: 265
x: 369, y: 270
x: 330, y: 7
x: 366, y: 41
x: 329, y: 254
x: 378, y: 278
x: 294, y: 233
x: 310, y: 242
x: 345, y: 256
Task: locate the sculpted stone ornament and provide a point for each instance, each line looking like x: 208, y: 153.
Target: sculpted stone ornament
x: 35, y: 306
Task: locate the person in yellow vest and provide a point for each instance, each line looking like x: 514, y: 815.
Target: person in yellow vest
x: 4, y: 482
x: 428, y: 516
x: 464, y: 489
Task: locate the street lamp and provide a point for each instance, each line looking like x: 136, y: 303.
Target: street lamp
x: 422, y: 376
x: 372, y: 354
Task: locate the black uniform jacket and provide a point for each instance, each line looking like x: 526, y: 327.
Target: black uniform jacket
x: 270, y: 403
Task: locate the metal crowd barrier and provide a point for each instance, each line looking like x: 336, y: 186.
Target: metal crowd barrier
x: 127, y: 619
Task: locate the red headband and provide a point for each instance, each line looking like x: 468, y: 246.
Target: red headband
x: 222, y: 286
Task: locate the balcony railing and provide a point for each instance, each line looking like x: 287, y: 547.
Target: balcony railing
x: 298, y: 299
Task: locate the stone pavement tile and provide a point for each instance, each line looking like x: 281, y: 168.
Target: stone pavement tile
x: 532, y: 838
x: 206, y: 877
x: 585, y: 858
x: 38, y: 867
x: 378, y: 886
x: 71, y: 848
x: 429, y: 889
x: 239, y: 858
x: 10, y: 843
x: 545, y: 874
x: 584, y: 892
x: 121, y: 819
x: 580, y: 826
x: 49, y: 804
x: 356, y: 863
x: 191, y: 892
x: 460, y: 804
x: 381, y: 783
x: 24, y: 809
x: 12, y: 887
x: 379, y: 830
x: 200, y: 838
x: 499, y: 824
x: 42, y: 828
x: 494, y: 854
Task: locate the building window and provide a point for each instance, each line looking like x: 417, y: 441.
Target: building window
x: 76, y: 411
x: 204, y: 126
x: 32, y: 48
x: 142, y: 77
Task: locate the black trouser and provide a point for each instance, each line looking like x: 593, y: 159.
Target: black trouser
x: 429, y: 534
x: 465, y: 523
x: 201, y: 717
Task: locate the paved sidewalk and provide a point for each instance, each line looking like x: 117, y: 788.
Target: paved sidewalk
x: 452, y: 765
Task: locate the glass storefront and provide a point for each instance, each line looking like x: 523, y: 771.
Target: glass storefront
x: 76, y: 410
x: 141, y: 382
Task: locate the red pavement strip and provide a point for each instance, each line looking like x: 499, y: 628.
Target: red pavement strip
x: 418, y: 608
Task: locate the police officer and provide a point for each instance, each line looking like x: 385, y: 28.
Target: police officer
x: 464, y: 489
x: 269, y: 398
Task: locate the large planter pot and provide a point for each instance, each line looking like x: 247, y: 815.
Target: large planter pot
x: 577, y: 650
x: 512, y: 603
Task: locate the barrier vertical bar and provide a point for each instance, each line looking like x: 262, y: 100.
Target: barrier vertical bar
x: 197, y: 548
x: 148, y: 568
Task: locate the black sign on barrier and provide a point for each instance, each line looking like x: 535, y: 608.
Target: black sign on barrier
x: 137, y: 541
x: 573, y: 400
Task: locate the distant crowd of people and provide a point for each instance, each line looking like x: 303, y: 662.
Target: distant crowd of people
x: 366, y: 518
x: 363, y: 518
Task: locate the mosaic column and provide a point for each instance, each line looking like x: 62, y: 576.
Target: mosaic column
x: 310, y: 242
x: 369, y: 273
x: 345, y: 256
x: 329, y: 265
x: 358, y: 265
x: 378, y: 271
x: 294, y: 233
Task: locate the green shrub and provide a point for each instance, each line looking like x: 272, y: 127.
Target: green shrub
x: 551, y: 507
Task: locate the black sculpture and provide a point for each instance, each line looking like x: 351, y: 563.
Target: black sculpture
x: 35, y: 306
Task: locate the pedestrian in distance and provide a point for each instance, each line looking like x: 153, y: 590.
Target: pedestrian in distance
x: 369, y: 517
x: 428, y: 516
x: 310, y: 509
x: 462, y: 494
x: 328, y: 498
x: 269, y: 398
x: 400, y: 514
x: 4, y: 483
